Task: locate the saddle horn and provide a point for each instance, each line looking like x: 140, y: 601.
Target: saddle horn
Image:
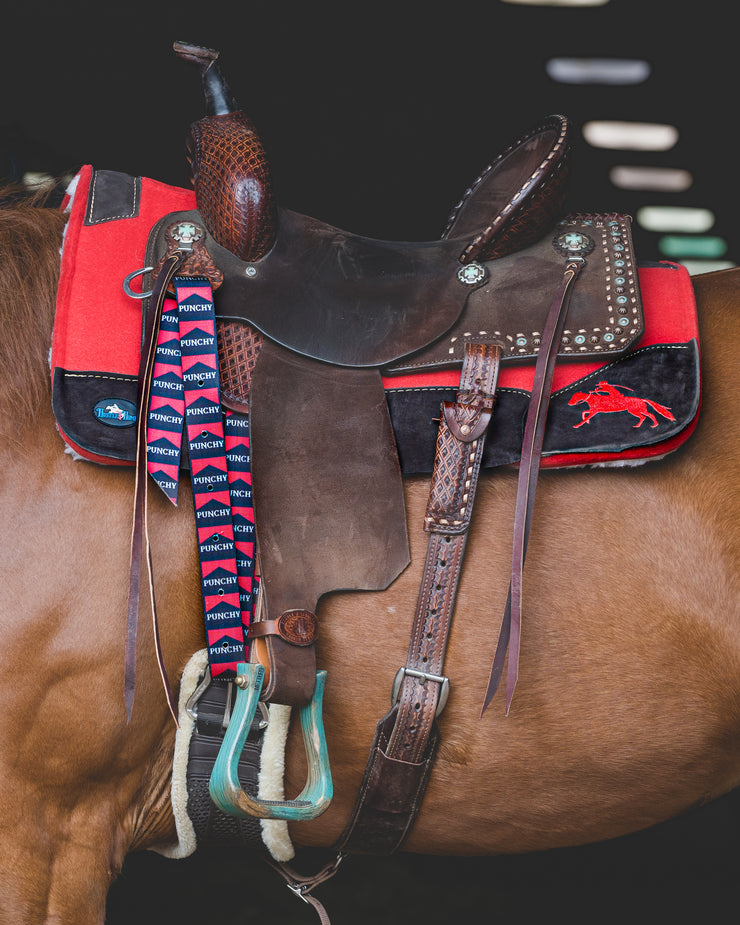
x: 228, y: 165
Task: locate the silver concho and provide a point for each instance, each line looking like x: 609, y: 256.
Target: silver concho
x: 185, y: 233
x: 471, y: 274
x: 573, y: 243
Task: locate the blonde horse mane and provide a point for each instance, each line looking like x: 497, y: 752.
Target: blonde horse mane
x: 30, y: 240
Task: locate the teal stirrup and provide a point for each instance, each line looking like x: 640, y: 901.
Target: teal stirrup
x: 227, y: 792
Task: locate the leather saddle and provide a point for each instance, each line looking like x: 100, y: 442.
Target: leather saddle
x: 316, y: 314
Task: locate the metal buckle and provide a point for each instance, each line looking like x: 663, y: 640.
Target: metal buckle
x: 192, y: 702
x: 422, y: 676
x: 299, y: 889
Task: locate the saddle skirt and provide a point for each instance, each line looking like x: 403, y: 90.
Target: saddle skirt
x: 97, y: 344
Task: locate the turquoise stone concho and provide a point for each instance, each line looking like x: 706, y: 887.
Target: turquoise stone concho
x: 573, y: 243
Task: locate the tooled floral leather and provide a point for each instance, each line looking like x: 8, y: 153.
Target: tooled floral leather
x: 402, y: 753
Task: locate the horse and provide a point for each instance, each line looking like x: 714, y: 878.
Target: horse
x: 627, y: 709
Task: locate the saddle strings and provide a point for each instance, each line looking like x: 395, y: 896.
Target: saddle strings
x: 534, y: 433
x: 140, y: 530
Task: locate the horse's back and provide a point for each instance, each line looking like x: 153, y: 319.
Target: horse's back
x: 627, y: 708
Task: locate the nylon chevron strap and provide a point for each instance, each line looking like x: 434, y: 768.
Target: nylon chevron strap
x: 185, y: 391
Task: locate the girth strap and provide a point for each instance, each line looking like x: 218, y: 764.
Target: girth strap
x: 406, y: 739
x: 303, y: 886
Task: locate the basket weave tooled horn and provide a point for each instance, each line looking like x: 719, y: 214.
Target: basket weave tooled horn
x: 228, y: 165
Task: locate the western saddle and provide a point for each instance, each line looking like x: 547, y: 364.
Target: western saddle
x: 309, y: 318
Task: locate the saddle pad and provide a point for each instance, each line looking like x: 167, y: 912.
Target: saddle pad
x: 96, y: 342
x: 640, y: 406
x: 97, y: 337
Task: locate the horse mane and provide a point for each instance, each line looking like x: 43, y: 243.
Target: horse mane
x: 30, y: 241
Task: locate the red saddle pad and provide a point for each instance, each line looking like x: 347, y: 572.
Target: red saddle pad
x: 97, y: 338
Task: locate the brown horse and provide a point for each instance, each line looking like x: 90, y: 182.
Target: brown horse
x: 628, y: 703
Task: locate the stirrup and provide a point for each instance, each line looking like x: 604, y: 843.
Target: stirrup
x: 224, y: 786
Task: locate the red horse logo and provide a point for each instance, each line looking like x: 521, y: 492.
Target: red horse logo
x: 607, y: 399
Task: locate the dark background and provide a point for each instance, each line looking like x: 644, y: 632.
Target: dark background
x: 376, y: 116
x: 684, y: 872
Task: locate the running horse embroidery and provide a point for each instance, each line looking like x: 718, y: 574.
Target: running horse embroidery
x: 608, y: 399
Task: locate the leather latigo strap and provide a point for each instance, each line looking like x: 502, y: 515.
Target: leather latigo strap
x: 534, y: 435
x: 405, y: 742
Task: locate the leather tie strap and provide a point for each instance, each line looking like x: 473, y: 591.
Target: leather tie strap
x: 406, y: 738
x: 139, y: 538
x: 534, y: 434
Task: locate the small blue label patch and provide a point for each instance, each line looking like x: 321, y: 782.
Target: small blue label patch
x: 115, y: 412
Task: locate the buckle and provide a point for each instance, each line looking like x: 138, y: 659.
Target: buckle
x: 422, y: 676
x: 193, y: 702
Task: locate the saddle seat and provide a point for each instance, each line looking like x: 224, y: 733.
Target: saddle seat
x: 354, y: 301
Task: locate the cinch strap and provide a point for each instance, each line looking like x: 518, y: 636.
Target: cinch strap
x: 185, y: 390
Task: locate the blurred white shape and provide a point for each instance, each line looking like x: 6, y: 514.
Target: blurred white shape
x: 660, y: 179
x: 557, y: 2
x: 613, y: 71
x: 634, y: 136
x: 687, y: 219
x: 35, y: 179
x: 696, y: 267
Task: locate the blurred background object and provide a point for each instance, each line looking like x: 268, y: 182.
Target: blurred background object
x: 376, y: 117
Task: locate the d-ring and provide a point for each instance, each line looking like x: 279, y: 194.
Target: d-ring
x: 127, y: 284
